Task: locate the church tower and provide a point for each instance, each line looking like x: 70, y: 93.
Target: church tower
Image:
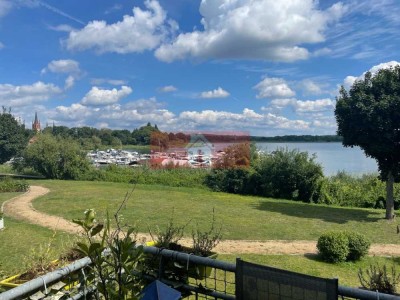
x: 36, y: 124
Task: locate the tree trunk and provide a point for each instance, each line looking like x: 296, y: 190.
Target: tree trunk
x: 389, y: 197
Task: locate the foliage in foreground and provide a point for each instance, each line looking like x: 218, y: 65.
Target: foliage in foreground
x: 340, y: 246
x: 115, y: 258
x: 9, y: 185
x: 379, y: 278
x: 203, y: 241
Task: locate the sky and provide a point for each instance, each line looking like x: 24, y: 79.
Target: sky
x: 266, y: 67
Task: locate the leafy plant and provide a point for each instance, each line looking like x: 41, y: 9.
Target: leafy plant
x: 333, y: 246
x: 9, y: 185
x: 377, y: 278
x: 40, y: 260
x: 170, y: 234
x: 205, y: 241
x: 358, y: 245
x: 115, y: 257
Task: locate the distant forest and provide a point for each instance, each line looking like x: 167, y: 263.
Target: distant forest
x: 93, y: 138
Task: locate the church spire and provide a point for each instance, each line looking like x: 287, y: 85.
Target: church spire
x: 36, y: 124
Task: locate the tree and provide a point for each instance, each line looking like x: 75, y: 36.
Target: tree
x: 13, y: 137
x: 56, y: 157
x: 288, y: 174
x: 368, y: 116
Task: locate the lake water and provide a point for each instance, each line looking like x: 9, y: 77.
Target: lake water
x: 332, y: 156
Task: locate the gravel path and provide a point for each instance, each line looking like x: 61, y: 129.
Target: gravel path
x: 20, y: 207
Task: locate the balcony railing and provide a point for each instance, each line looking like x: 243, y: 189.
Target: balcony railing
x: 218, y: 283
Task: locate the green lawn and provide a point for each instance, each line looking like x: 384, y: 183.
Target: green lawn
x: 6, y: 196
x: 20, y: 241
x: 243, y: 217
x: 311, y: 265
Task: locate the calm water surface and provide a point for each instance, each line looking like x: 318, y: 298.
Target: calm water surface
x: 332, y: 156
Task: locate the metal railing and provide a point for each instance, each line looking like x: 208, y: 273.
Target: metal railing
x: 217, y: 281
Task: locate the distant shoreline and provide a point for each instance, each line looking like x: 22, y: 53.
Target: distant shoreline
x: 298, y: 139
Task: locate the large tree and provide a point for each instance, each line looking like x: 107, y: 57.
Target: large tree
x: 13, y: 137
x: 56, y: 157
x: 368, y: 116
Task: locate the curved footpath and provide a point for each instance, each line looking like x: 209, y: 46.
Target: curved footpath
x: 20, y: 207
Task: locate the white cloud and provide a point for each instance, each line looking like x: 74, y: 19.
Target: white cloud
x: 253, y: 29
x: 5, y: 7
x: 168, y: 89
x: 99, y: 97
x: 99, y: 81
x: 216, y: 93
x: 21, y: 95
x: 144, y: 106
x: 386, y: 65
x: 1, y: 45
x: 144, y: 30
x: 75, y: 112
x: 322, y: 52
x: 310, y: 87
x: 129, y: 115
x: 330, y: 124
x: 69, y: 82
x: 349, y: 80
x: 62, y: 28
x: 67, y: 66
x: 305, y: 106
x: 273, y: 88
x: 137, y: 113
x: 247, y: 119
x: 114, y: 8
x: 314, y: 105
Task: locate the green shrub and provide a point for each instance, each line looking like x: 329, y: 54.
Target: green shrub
x: 378, y: 278
x: 231, y: 180
x: 9, y: 185
x: 339, y: 246
x: 288, y: 174
x: 180, y: 177
x: 55, y: 157
x: 333, y: 246
x: 358, y: 246
x: 357, y: 191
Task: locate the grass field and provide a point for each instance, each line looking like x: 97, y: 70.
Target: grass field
x: 6, y: 196
x: 20, y: 241
x: 243, y: 217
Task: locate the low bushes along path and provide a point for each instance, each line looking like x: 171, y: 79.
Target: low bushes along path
x: 20, y: 207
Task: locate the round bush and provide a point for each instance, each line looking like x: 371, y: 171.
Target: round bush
x: 333, y: 246
x: 358, y: 246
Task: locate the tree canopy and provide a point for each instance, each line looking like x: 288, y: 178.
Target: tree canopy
x: 368, y: 116
x: 55, y: 157
x: 13, y: 137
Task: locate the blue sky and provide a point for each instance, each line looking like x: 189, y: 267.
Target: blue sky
x: 263, y: 66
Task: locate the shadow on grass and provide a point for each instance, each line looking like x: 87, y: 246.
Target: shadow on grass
x: 314, y: 257
x: 327, y: 214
